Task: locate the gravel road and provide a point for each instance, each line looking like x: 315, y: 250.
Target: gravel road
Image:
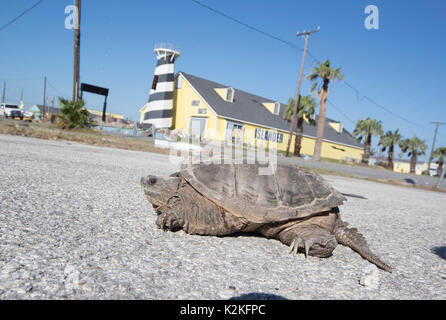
x: 74, y: 224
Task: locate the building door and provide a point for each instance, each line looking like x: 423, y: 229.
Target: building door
x: 234, y: 132
x: 197, y: 127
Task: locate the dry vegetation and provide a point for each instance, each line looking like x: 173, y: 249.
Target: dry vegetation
x: 86, y: 136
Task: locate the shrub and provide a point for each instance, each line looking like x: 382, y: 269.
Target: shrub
x: 73, y: 114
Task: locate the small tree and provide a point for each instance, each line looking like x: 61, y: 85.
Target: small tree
x: 364, y: 130
x: 73, y: 114
x: 439, y: 154
x: 306, y: 109
x: 388, y: 141
x: 414, y: 148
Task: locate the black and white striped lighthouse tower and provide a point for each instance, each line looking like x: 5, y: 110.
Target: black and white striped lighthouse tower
x: 158, y: 111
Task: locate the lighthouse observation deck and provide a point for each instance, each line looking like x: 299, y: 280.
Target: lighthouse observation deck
x: 167, y: 48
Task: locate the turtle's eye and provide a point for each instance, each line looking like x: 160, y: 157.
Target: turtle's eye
x: 152, y: 181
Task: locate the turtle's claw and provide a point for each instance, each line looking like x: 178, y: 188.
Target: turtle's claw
x: 168, y: 222
x: 307, y: 247
x: 297, y: 243
x: 322, y: 245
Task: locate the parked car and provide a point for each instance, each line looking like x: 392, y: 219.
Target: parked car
x: 28, y: 116
x: 10, y: 111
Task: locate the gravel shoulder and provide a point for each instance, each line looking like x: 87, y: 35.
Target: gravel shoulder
x: 74, y: 224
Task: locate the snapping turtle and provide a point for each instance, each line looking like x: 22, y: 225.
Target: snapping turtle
x: 294, y: 205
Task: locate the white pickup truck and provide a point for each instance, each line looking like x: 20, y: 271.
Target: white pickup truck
x: 10, y: 111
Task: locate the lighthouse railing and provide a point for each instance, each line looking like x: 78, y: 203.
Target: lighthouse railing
x: 165, y: 45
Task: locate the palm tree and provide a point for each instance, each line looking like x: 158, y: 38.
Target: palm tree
x: 321, y: 76
x: 306, y: 109
x: 414, y: 147
x: 388, y: 141
x: 73, y: 114
x: 439, y: 154
x: 364, y: 130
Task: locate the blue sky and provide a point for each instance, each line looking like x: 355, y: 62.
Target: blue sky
x: 400, y: 66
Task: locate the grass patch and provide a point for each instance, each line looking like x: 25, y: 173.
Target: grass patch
x: 85, y: 136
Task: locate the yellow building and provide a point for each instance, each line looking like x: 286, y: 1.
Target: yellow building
x: 403, y: 166
x: 214, y: 111
x: 107, y: 114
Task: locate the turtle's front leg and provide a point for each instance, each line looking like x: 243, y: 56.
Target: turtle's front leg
x: 315, y: 242
x: 313, y: 236
x: 195, y: 214
x: 169, y: 219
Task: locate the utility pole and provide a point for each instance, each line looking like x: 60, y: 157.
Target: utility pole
x: 77, y: 46
x: 296, y: 102
x: 437, y: 123
x: 22, y: 104
x: 4, y: 92
x: 443, y: 172
x: 44, y: 95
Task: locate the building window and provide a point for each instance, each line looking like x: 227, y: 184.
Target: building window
x: 230, y: 95
x: 277, y: 108
x: 195, y: 103
x: 155, y: 82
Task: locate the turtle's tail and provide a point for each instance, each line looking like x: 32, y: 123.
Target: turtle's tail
x: 350, y: 237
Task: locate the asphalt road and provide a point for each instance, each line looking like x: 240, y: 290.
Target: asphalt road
x: 74, y: 224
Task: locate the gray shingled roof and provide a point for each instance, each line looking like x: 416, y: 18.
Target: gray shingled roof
x: 48, y: 109
x: 248, y: 107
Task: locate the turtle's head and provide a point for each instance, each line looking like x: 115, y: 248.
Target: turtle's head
x: 159, y: 190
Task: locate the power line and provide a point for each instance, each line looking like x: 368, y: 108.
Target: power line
x: 34, y: 78
x: 18, y: 101
x: 57, y: 90
x: 339, y: 110
x: 248, y: 26
x: 384, y: 108
x: 357, y: 92
x: 20, y: 79
x: 20, y: 15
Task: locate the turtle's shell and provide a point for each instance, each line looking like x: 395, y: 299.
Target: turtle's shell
x: 290, y: 193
